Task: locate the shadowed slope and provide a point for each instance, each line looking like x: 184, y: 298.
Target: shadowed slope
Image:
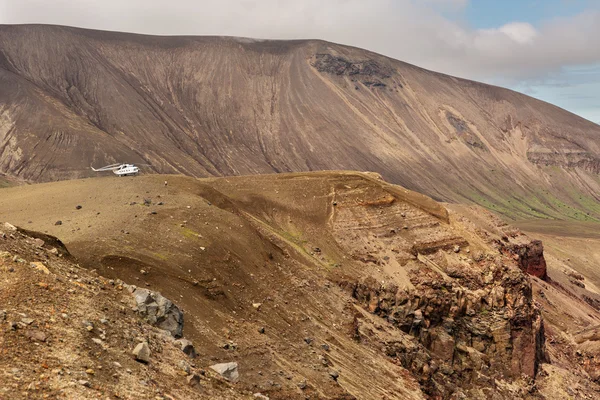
x: 206, y: 106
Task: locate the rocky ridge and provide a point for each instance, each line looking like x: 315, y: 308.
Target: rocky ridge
x: 361, y: 289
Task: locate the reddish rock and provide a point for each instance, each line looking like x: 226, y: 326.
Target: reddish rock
x: 530, y: 258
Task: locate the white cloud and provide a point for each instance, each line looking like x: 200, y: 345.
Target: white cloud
x: 454, y: 4
x: 520, y: 32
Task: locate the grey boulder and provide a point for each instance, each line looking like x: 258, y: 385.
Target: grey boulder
x: 187, y: 347
x: 142, y: 352
x: 228, y: 371
x: 159, y: 311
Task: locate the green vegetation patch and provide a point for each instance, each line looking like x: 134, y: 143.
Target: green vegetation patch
x: 511, y: 207
x: 189, y: 233
x: 160, y: 256
x: 541, y: 205
x: 577, y: 207
x: 4, y: 183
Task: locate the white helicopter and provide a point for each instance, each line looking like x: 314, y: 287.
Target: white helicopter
x: 119, y: 169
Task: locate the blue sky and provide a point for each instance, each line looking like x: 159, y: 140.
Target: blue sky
x: 574, y: 87
x: 549, y: 49
x: 484, y: 14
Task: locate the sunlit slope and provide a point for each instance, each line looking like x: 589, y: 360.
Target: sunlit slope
x: 203, y: 106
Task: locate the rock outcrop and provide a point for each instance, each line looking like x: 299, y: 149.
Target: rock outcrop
x: 529, y: 256
x: 360, y: 290
x: 567, y: 158
x: 159, y: 311
x: 469, y: 331
x: 365, y: 69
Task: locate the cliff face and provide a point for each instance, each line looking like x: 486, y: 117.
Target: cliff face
x: 529, y: 257
x: 468, y: 314
x: 203, y: 106
x: 469, y: 331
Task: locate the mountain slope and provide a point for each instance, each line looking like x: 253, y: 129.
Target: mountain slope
x: 67, y: 333
x: 361, y: 290
x: 206, y: 106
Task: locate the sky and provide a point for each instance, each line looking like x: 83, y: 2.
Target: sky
x: 549, y: 49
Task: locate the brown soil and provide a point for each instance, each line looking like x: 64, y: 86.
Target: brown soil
x: 329, y: 257
x: 46, y: 350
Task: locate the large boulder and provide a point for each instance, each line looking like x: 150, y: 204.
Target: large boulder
x: 187, y: 347
x: 159, y: 311
x: 228, y: 371
x: 142, y: 352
